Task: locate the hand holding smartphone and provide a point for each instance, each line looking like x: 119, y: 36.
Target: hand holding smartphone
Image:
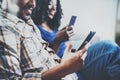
x: 87, y: 39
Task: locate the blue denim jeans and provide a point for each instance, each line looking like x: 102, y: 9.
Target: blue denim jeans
x: 102, y: 62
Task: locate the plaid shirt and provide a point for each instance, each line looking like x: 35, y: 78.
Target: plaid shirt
x: 23, y: 54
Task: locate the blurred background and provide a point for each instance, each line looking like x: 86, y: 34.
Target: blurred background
x: 102, y: 16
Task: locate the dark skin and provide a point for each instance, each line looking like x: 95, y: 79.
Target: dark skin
x: 60, y: 37
x: 73, y: 62
x: 49, y: 15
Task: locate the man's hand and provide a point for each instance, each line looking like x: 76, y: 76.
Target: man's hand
x: 74, y: 60
x: 71, y: 62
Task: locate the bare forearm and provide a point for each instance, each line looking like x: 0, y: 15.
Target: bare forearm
x: 55, y: 45
x: 55, y: 73
x: 62, y: 70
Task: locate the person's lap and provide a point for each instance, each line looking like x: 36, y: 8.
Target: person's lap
x: 102, y: 62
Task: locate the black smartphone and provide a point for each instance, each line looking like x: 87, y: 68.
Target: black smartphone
x: 87, y: 39
x: 72, y: 20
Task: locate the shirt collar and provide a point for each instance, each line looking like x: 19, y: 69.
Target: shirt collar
x: 15, y: 19
x: 9, y: 16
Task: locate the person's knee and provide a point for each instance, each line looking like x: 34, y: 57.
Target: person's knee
x: 104, y: 49
x: 105, y: 45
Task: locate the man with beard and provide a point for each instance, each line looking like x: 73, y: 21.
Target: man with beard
x: 25, y: 56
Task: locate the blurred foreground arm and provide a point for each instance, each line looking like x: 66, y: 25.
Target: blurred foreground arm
x: 73, y: 63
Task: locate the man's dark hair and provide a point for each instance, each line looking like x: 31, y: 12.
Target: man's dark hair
x: 40, y: 14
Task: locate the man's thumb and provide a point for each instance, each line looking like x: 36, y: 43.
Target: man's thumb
x: 68, y: 49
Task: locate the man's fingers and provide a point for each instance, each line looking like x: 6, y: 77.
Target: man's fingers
x: 83, y: 53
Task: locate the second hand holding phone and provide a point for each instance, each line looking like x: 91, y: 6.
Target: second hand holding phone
x: 87, y: 40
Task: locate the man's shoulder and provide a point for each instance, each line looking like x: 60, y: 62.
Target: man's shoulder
x: 9, y: 26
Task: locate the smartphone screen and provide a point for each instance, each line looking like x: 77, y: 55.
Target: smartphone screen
x: 87, y: 39
x: 72, y: 20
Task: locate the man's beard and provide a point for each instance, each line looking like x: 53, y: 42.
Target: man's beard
x: 24, y: 17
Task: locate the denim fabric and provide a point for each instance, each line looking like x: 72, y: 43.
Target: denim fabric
x: 79, y: 76
x: 102, y: 62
